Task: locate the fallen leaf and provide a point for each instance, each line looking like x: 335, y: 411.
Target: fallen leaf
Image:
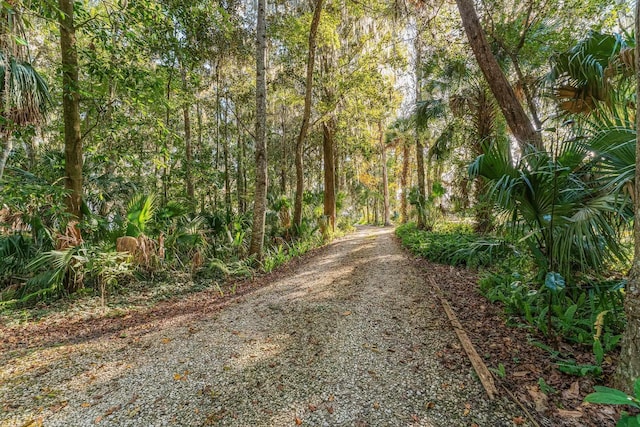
x: 166, y: 340
x: 86, y: 405
x: 298, y: 421
x: 520, y: 374
x: 98, y: 419
x: 573, y: 392
x: 430, y: 405
x: 312, y: 407
x: 539, y: 398
x: 331, y: 398
x: 346, y: 313
x: 376, y: 405
x: 415, y: 418
x: 330, y: 409
x: 518, y: 421
x: 569, y: 414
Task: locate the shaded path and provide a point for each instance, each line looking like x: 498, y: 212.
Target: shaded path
x: 353, y: 337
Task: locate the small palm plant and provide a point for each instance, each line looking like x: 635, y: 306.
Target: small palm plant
x: 612, y: 396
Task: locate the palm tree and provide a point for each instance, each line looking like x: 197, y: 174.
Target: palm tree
x: 568, y: 219
x: 24, y: 93
x: 584, y: 77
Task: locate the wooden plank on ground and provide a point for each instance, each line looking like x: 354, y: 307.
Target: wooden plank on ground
x: 478, y: 365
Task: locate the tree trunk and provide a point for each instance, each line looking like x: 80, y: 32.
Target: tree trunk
x: 311, y: 57
x: 227, y: 174
x: 71, y: 109
x: 283, y: 164
x: 260, y: 196
x: 329, y: 172
x: 404, y: 182
x: 629, y: 367
x: 188, y: 159
x: 385, y: 177
x: 512, y: 110
x: 6, y: 151
x: 240, y: 173
x: 419, y: 146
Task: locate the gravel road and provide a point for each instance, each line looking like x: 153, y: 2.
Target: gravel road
x: 352, y: 337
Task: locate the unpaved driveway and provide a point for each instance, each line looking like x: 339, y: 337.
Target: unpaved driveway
x: 353, y: 337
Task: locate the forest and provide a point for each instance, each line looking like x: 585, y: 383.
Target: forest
x: 161, y: 148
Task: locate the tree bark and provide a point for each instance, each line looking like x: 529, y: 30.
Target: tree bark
x: 385, y: 177
x: 71, y: 109
x: 6, y: 151
x: 188, y: 158
x: 313, y: 31
x: 260, y: 196
x: 512, y: 110
x: 283, y: 164
x: 329, y: 172
x: 629, y: 367
x: 419, y: 145
x: 404, y: 182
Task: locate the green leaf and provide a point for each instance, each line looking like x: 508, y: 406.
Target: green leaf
x: 609, y: 396
x: 554, y: 281
x: 598, y: 351
x: 628, y: 421
x: 636, y: 388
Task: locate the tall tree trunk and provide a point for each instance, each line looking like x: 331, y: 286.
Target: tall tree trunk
x: 311, y: 57
x: 188, y: 158
x: 260, y: 196
x: 283, y: 164
x: 629, y: 367
x: 240, y: 172
x: 385, y: 177
x: 227, y: 174
x: 328, y: 129
x: 71, y: 109
x: 512, y: 110
x: 419, y: 145
x: 404, y: 182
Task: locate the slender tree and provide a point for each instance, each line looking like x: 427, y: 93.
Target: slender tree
x: 304, y: 128
x: 260, y: 197
x: 512, y: 110
x: 71, y: 108
x: 629, y: 367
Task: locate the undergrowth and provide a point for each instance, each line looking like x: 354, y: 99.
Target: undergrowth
x: 588, y: 311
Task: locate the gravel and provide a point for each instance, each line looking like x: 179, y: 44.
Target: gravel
x: 353, y: 337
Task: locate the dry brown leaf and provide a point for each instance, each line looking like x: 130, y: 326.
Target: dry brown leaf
x: 518, y: 421
x: 346, y: 313
x: 569, y: 414
x: 330, y: 409
x: 98, y: 419
x: 539, y: 398
x: 376, y: 405
x: 312, y: 407
x: 331, y: 398
x: 298, y: 421
x: 430, y: 405
x: 573, y: 392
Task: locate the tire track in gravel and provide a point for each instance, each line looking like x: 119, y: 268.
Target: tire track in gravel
x: 354, y: 337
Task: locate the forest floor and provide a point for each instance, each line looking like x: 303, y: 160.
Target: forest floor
x: 352, y: 334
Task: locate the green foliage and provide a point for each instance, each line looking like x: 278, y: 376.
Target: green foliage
x: 140, y: 211
x: 455, y: 245
x: 612, y: 396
